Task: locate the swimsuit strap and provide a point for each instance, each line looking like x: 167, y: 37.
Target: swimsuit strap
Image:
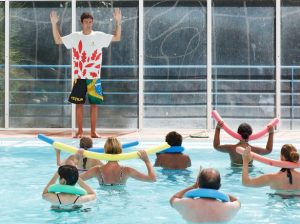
x: 101, y: 177
x: 289, y: 174
x: 121, y: 174
x: 76, y: 199
x: 58, y: 199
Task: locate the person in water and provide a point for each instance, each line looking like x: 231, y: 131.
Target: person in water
x: 112, y: 173
x: 68, y: 175
x: 173, y: 161
x: 78, y: 160
x: 245, y: 130
x: 287, y: 179
x: 201, y: 209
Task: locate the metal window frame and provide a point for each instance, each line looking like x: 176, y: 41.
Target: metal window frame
x: 141, y: 61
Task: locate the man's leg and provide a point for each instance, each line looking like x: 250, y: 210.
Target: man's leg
x: 93, y: 117
x: 79, y: 119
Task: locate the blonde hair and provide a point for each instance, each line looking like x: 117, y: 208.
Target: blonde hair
x: 290, y: 153
x: 112, y: 146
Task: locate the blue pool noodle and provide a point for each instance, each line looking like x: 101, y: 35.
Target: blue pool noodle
x: 45, y: 139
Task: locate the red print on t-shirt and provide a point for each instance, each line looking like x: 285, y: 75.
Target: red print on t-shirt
x: 82, y: 62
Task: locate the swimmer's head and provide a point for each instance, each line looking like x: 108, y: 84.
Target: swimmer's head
x: 245, y: 130
x: 289, y: 153
x: 86, y: 143
x: 209, y: 178
x: 86, y: 15
x: 68, y: 174
x: 174, y: 139
x: 112, y: 146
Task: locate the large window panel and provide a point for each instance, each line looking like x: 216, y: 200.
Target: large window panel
x: 290, y: 72
x: 244, y: 61
x: 39, y: 69
x: 175, y: 64
x: 2, y: 51
x: 119, y: 71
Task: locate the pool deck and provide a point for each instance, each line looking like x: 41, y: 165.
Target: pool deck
x: 143, y: 135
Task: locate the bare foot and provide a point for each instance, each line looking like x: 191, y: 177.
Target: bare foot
x: 78, y: 135
x: 95, y: 135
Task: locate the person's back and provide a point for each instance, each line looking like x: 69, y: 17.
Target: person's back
x: 112, y: 173
x: 205, y: 209
x: 286, y: 181
x: 245, y: 131
x: 173, y: 161
x: 68, y: 176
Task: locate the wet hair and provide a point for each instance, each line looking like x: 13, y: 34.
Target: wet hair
x: 69, y: 173
x: 174, y: 139
x: 209, y: 178
x: 290, y: 153
x: 245, y: 130
x: 112, y: 146
x: 85, y: 143
x: 86, y: 15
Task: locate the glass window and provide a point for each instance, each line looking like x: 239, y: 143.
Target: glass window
x: 2, y: 51
x: 244, y: 61
x: 119, y: 73
x: 39, y: 69
x: 290, y: 72
x: 175, y: 64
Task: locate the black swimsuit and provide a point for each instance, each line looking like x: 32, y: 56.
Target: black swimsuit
x: 289, y: 174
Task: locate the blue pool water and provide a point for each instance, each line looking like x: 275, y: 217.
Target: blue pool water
x: 27, y: 165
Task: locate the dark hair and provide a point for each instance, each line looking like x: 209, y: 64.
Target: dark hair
x: 174, y: 139
x: 69, y: 173
x: 245, y: 130
x: 86, y: 15
x: 289, y: 152
x: 209, y: 178
x: 85, y: 143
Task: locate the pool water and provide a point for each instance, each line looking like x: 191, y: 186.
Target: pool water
x: 27, y: 166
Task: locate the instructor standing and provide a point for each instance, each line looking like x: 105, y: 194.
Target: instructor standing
x: 87, y: 47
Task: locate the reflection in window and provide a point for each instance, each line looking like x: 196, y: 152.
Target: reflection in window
x: 2, y: 51
x: 39, y: 69
x: 175, y: 64
x: 244, y: 61
x: 119, y: 71
x: 290, y: 72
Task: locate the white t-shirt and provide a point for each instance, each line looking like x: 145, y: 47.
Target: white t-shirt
x: 87, y: 52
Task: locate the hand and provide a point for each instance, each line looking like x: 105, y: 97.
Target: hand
x: 117, y: 15
x: 247, y: 157
x: 270, y: 129
x: 220, y: 124
x: 143, y: 155
x: 54, y: 17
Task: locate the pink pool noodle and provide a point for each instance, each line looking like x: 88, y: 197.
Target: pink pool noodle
x: 256, y: 135
x: 271, y: 162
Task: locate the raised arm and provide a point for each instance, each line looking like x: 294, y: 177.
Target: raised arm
x: 93, y: 172
x: 91, y: 193
x: 269, y: 145
x: 46, y: 195
x: 261, y: 181
x: 118, y: 29
x: 180, y: 194
x: 217, y: 145
x: 54, y: 21
x: 150, y: 177
x: 58, y: 159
